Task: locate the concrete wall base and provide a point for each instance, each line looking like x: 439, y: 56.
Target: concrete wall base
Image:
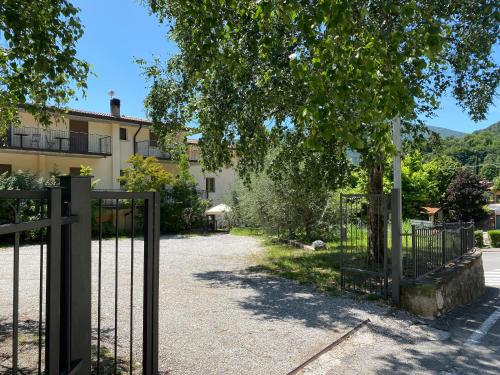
x: 435, y: 295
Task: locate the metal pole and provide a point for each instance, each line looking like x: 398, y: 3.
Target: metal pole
x: 53, y: 285
x: 397, y: 261
x: 76, y: 310
x: 397, y: 213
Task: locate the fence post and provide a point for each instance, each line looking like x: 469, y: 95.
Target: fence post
x: 443, y: 245
x: 460, y: 230
x: 76, y: 277
x: 53, y: 283
x: 397, y: 261
x: 414, y: 250
x: 151, y: 283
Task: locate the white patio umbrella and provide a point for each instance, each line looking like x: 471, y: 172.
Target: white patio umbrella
x: 219, y: 210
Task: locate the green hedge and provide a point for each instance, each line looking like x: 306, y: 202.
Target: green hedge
x: 478, y: 238
x: 495, y: 237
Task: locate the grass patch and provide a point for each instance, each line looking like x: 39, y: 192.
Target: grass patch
x: 320, y: 268
x: 250, y: 232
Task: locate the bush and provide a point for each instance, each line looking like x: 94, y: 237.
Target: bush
x: 495, y: 237
x: 26, y: 208
x: 285, y: 210
x: 180, y: 207
x: 478, y: 238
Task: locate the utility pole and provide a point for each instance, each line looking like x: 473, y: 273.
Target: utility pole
x: 396, y: 213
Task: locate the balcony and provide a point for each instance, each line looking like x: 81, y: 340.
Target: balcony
x: 144, y: 148
x: 147, y: 148
x: 36, y: 139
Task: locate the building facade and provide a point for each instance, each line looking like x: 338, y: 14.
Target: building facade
x: 102, y: 141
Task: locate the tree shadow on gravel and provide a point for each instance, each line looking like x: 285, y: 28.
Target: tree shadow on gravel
x: 275, y: 298
x: 462, y: 321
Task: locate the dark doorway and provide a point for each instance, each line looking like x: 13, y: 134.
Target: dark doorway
x: 78, y: 136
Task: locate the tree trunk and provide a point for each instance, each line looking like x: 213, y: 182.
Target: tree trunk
x: 376, y: 235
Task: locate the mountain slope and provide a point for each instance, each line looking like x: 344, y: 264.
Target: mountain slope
x: 480, y: 150
x: 445, y: 133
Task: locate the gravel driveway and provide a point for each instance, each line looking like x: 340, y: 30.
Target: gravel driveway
x: 217, y: 316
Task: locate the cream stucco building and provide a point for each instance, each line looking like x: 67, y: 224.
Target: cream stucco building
x: 102, y: 141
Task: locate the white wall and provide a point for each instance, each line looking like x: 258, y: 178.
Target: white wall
x: 223, y: 181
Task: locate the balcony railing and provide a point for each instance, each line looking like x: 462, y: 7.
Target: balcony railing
x: 145, y: 149
x: 24, y: 138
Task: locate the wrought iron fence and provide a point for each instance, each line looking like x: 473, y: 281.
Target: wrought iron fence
x: 429, y: 248
x: 363, y: 240
x: 81, y: 322
x: 26, y: 138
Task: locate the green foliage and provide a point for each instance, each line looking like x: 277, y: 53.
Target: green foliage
x: 478, y: 238
x: 494, y: 237
x: 144, y: 174
x: 181, y: 207
x: 27, y: 209
x: 333, y: 70
x: 88, y: 171
x: 320, y: 268
x: 286, y: 208
x: 38, y: 63
x: 466, y: 197
x: 496, y: 184
x: 478, y: 150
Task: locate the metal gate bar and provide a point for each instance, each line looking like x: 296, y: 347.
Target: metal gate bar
x: 63, y: 220
x: 364, y: 254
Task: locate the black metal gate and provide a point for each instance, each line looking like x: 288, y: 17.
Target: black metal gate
x: 62, y: 230
x: 363, y: 239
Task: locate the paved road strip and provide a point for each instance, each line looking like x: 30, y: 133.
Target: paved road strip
x: 479, y: 333
x: 492, y: 278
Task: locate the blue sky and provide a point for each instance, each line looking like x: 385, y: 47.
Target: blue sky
x: 117, y: 31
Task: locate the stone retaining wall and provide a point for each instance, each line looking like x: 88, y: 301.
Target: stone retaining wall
x: 438, y: 293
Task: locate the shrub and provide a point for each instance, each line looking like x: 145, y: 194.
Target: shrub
x: 180, y: 207
x: 495, y: 237
x: 27, y: 209
x: 282, y: 209
x: 478, y: 238
x: 144, y: 174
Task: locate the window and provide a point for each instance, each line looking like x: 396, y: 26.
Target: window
x: 123, y: 134
x: 74, y: 171
x: 6, y: 168
x: 153, y: 140
x: 210, y: 184
x: 498, y: 198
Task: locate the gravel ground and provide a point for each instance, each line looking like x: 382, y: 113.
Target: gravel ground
x: 217, y: 316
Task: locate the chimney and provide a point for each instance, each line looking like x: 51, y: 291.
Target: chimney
x: 114, y: 105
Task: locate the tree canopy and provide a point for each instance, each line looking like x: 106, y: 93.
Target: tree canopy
x: 466, y: 197
x: 248, y: 72
x: 38, y: 59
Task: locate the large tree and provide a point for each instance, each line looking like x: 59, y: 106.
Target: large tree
x: 39, y: 68
x: 335, y: 70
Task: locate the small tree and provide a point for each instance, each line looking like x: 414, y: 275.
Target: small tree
x: 144, y: 174
x: 181, y: 207
x: 466, y: 197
